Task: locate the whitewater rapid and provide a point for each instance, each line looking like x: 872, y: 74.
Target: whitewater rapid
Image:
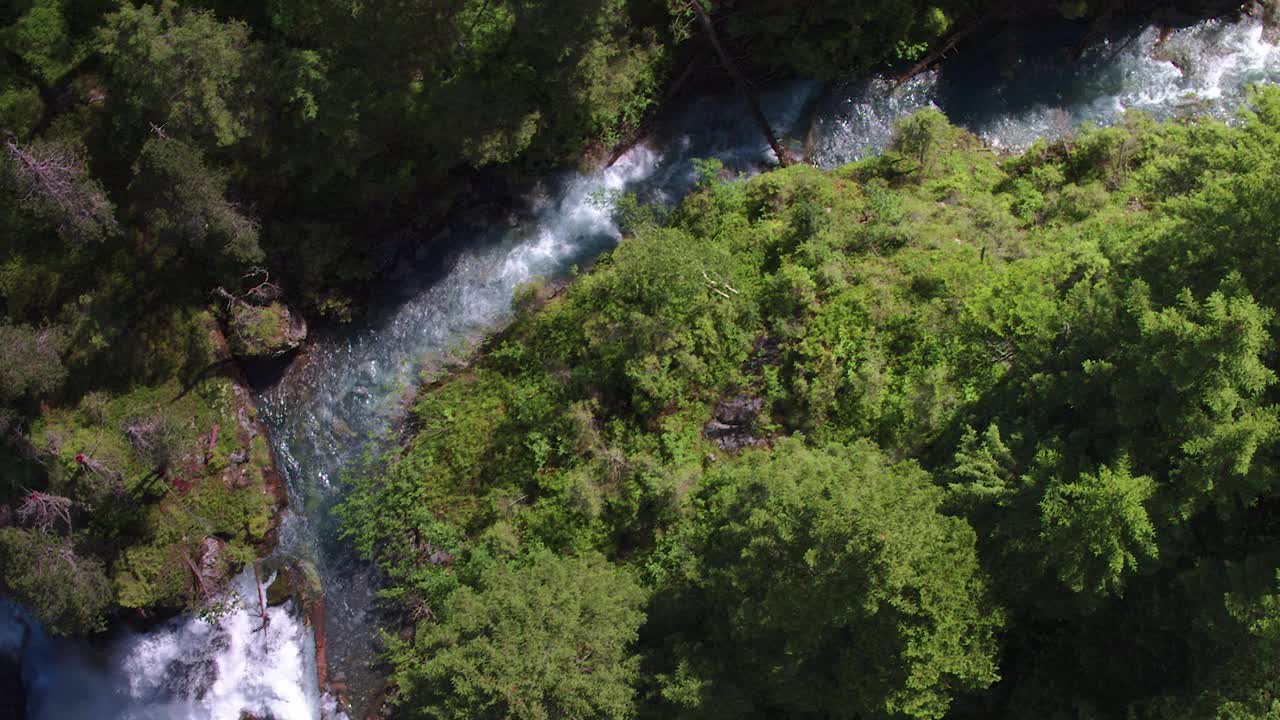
x: 346, y: 394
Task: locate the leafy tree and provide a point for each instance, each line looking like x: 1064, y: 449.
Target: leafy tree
x: 183, y: 203
x: 1207, y: 391
x: 43, y: 40
x: 20, y: 108
x: 30, y: 362
x: 1096, y: 529
x: 182, y: 71
x: 68, y: 591
x: 548, y: 639
x: 830, y: 585
x: 982, y: 471
x: 1123, y: 490
x: 924, y: 137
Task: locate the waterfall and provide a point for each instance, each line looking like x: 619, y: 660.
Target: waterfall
x: 345, y: 394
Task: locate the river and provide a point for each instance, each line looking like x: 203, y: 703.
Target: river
x: 343, y: 398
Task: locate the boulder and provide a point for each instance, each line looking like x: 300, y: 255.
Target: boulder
x: 732, y: 424
x: 265, y: 331
x: 210, y: 566
x: 298, y: 580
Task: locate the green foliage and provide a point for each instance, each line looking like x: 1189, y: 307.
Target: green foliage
x: 148, y: 474
x: 844, y: 37
x: 799, y: 551
x: 1011, y: 420
x: 1096, y: 529
x: 810, y: 444
x: 20, y: 109
x: 182, y: 203
x: 70, y: 593
x: 42, y: 39
x: 30, y: 362
x: 263, y: 330
x: 923, y: 137
x: 548, y: 638
x: 181, y: 70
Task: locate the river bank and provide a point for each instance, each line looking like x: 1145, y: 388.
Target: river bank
x: 351, y: 385
x: 1022, y: 42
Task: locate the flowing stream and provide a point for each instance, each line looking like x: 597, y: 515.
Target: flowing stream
x: 347, y: 392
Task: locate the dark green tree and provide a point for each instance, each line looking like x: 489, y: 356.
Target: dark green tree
x: 180, y: 71
x: 183, y: 204
x: 42, y: 38
x: 68, y: 591
x: 829, y: 585
x: 1096, y: 530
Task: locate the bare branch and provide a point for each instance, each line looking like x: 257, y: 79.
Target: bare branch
x: 143, y: 436
x: 54, y: 174
x: 44, y: 511
x: 262, y: 293
x: 100, y: 470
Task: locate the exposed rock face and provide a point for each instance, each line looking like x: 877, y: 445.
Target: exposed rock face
x: 733, y: 423
x: 210, y: 567
x: 193, y: 676
x: 265, y: 331
x: 258, y: 457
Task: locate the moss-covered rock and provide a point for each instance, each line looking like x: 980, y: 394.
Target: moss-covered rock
x: 298, y: 580
x: 263, y: 331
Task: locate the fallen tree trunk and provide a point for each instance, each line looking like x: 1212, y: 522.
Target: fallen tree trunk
x: 315, y: 611
x: 647, y: 126
x: 262, y: 602
x: 740, y: 80
x: 934, y: 57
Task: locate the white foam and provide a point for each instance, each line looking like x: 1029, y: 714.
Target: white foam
x: 197, y: 670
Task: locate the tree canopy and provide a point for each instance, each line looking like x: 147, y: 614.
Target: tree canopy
x: 547, y: 639
x: 945, y: 432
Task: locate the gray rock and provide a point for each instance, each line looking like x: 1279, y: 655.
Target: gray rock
x: 732, y: 425
x: 210, y: 562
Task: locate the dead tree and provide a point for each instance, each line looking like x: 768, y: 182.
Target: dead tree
x: 262, y: 293
x: 741, y: 82
x: 144, y: 436
x: 54, y: 176
x: 262, y: 602
x: 100, y: 470
x: 44, y: 511
x: 201, y: 587
x: 936, y: 56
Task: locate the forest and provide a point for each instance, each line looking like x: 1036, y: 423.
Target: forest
x: 939, y: 433
x: 946, y: 432
x: 186, y: 184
